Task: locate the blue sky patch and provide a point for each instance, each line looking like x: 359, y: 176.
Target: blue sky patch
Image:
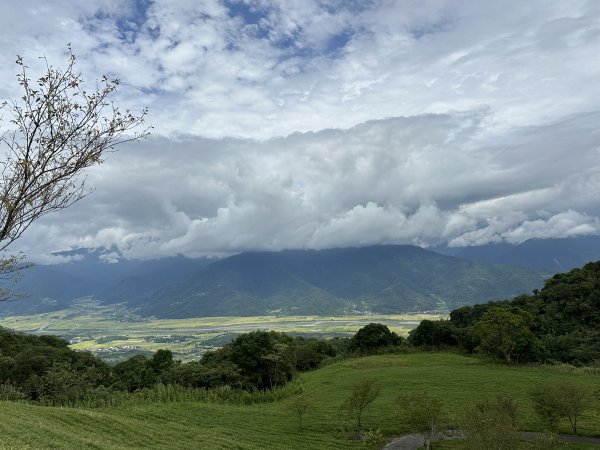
x: 249, y: 14
x: 130, y: 25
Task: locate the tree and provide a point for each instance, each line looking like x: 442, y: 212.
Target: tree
x: 311, y: 353
x: 265, y: 358
x: 433, y: 334
x: 421, y: 413
x: 300, y: 406
x: 57, y: 129
x: 373, y: 336
x: 574, y: 400
x: 135, y: 373
x: 161, y: 362
x: 556, y: 402
x: 363, y: 394
x: 504, y: 333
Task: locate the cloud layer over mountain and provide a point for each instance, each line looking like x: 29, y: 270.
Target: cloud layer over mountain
x: 320, y: 124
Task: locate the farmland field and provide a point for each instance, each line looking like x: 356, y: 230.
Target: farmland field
x: 458, y: 381
x: 113, y: 332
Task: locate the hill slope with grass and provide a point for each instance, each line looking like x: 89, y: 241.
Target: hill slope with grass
x: 191, y: 425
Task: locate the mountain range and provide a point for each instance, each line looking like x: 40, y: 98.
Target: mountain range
x: 384, y: 279
x: 554, y: 255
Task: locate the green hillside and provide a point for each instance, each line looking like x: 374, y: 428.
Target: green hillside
x: 458, y: 381
x: 382, y: 279
x: 560, y: 322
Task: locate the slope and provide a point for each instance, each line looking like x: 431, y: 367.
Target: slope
x: 385, y: 279
x: 554, y: 255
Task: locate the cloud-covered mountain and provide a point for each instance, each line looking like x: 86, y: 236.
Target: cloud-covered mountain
x: 87, y: 273
x: 554, y: 255
x: 384, y: 279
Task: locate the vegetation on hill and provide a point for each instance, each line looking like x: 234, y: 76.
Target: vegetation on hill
x: 560, y: 322
x: 42, y: 369
x: 382, y: 279
x: 261, y: 378
x: 458, y: 382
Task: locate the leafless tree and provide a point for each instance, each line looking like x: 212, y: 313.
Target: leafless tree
x: 55, y: 130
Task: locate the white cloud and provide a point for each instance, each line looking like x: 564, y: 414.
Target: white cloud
x: 313, y: 124
x: 420, y: 180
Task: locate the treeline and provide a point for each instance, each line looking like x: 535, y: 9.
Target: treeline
x: 559, y: 323
x: 42, y: 369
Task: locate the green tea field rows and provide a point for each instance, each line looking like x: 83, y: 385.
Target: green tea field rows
x: 458, y: 381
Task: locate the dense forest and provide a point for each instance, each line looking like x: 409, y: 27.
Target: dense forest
x: 559, y: 323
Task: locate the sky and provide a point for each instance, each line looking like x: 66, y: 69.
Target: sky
x: 318, y: 124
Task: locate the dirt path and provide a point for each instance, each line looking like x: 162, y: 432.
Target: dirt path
x: 414, y: 441
x: 568, y: 438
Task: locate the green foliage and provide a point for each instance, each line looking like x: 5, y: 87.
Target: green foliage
x: 374, y: 439
x: 232, y: 419
x: 161, y: 361
x: 504, y: 333
x: 135, y: 373
x: 555, y: 402
x: 44, y: 369
x: 265, y: 359
x: 373, y: 336
x: 421, y: 413
x: 433, y: 334
x: 363, y: 394
x: 564, y: 318
x: 311, y: 353
x: 206, y: 375
x: 492, y: 425
x: 300, y: 406
x: 9, y: 392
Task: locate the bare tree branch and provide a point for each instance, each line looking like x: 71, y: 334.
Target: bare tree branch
x: 58, y: 129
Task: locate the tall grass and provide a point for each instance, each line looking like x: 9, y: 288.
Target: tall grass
x: 161, y: 393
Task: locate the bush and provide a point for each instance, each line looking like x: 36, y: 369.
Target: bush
x: 492, y: 424
x: 11, y: 393
x: 556, y: 402
x: 422, y: 413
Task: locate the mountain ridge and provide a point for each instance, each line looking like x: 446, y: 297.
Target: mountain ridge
x: 381, y: 278
x: 384, y: 279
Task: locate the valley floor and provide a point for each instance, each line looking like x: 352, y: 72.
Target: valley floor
x: 113, y: 333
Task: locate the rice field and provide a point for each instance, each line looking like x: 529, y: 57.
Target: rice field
x: 113, y: 333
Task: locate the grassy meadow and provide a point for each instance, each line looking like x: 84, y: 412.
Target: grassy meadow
x: 458, y: 381
x: 113, y: 333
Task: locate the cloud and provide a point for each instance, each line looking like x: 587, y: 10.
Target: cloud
x: 422, y: 180
x: 309, y: 124
x: 260, y: 69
